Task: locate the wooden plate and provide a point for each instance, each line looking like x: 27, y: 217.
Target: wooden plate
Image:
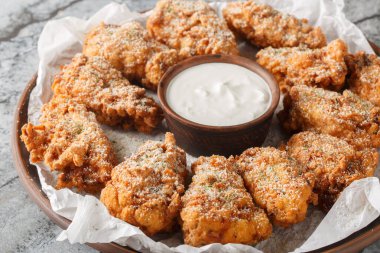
x: 29, y: 179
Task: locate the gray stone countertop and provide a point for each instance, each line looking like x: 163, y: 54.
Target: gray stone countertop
x: 23, y: 226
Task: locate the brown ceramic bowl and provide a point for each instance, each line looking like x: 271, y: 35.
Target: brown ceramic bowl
x: 198, y: 139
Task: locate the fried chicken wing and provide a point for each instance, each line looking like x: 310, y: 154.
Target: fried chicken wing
x: 103, y: 90
x: 264, y: 26
x: 129, y: 49
x: 345, y: 116
x: 218, y: 209
x: 70, y: 142
x: 364, y: 76
x: 335, y: 163
x: 191, y: 27
x: 277, y: 183
x: 145, y: 189
x: 323, y: 67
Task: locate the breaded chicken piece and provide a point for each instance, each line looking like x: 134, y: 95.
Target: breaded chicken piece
x: 191, y: 27
x: 264, y: 26
x: 218, y: 209
x: 364, y: 76
x: 70, y: 141
x: 129, y: 49
x: 103, y: 90
x: 335, y: 163
x: 277, y: 184
x: 345, y: 116
x: 145, y: 189
x: 323, y: 67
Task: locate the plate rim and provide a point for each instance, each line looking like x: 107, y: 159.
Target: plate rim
x: 27, y: 175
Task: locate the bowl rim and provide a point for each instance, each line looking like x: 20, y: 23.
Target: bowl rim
x: 218, y: 58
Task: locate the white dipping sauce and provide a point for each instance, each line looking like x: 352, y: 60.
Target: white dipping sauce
x: 218, y: 94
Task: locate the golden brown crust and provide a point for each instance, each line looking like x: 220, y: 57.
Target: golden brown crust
x: 345, y: 116
x: 335, y: 163
x: 323, y: 67
x: 35, y: 139
x: 70, y: 141
x: 277, y: 183
x: 192, y: 28
x: 364, y: 76
x: 218, y: 209
x: 264, y: 26
x: 129, y: 49
x: 145, y: 189
x: 103, y: 90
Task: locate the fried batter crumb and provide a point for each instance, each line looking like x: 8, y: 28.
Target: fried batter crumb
x: 345, y: 116
x: 264, y: 26
x: 103, y: 90
x: 218, y: 209
x: 323, y: 67
x: 70, y: 142
x: 335, y: 163
x: 277, y: 184
x: 146, y: 189
x: 191, y: 27
x: 129, y: 49
x: 364, y: 76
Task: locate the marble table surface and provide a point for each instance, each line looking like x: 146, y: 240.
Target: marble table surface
x: 23, y: 226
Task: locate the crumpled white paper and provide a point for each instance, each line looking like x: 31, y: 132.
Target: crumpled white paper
x: 361, y: 198
x: 61, y: 39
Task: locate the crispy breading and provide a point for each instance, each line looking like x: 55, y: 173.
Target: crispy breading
x: 191, y: 27
x: 335, y: 163
x: 345, y: 116
x: 129, y: 49
x: 70, y: 142
x: 264, y: 26
x: 103, y: 90
x: 145, y: 189
x: 364, y: 76
x: 218, y: 209
x: 323, y: 67
x: 277, y: 184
